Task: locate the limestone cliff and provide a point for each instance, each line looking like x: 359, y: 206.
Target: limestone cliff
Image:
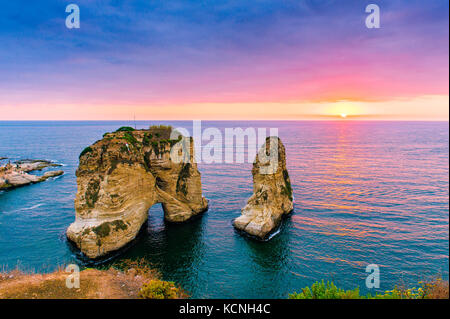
x: 120, y: 177
x: 272, y: 192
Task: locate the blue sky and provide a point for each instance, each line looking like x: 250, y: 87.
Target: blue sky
x: 169, y: 54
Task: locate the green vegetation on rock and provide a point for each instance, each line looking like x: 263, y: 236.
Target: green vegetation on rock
x: 6, y: 185
x: 92, y: 192
x: 146, y: 139
x: 287, y: 189
x: 130, y: 138
x: 85, y: 151
x: 182, y: 178
x: 104, y: 229
x: 173, y: 142
x: 320, y: 290
x: 155, y: 146
x: 125, y: 129
x: 158, y: 289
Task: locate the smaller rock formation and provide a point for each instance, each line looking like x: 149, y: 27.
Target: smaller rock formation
x: 272, y: 192
x: 16, y: 174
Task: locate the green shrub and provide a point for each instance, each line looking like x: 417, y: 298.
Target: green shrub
x: 85, y: 151
x: 182, y: 178
x: 104, y: 229
x: 146, y: 139
x: 92, y: 191
x: 130, y: 138
x: 173, y: 142
x: 287, y: 189
x: 320, y: 290
x: 125, y: 129
x: 155, y: 146
x: 432, y: 289
x: 158, y: 289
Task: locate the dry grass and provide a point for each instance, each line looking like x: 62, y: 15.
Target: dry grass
x: 94, y: 284
x: 436, y: 289
x: 137, y: 267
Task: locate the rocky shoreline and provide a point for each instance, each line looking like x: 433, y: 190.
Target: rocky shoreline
x: 16, y: 174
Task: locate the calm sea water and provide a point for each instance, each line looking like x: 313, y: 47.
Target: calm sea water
x: 365, y: 193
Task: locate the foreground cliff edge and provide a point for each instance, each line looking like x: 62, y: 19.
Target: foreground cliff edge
x: 121, y: 176
x: 128, y: 279
x: 272, y: 192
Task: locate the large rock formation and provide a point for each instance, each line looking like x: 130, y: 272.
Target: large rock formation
x: 16, y: 174
x: 272, y: 192
x: 121, y: 176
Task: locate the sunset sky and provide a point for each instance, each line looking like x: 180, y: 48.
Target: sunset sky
x: 214, y: 59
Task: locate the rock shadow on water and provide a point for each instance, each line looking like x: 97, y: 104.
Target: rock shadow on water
x: 270, y: 262
x: 172, y: 245
x: 274, y: 248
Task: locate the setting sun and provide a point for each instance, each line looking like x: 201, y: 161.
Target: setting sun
x: 343, y: 109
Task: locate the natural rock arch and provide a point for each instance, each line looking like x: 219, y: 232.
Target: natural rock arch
x: 120, y: 177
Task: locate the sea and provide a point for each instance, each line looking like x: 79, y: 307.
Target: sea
x: 365, y: 192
